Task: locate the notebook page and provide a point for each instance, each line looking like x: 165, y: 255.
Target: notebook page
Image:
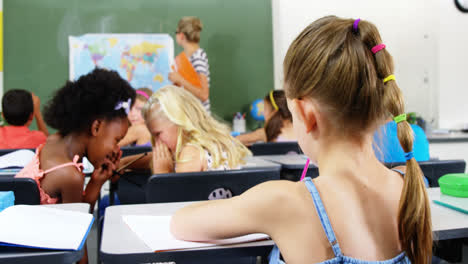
x: 44, y: 227
x: 155, y: 233
x: 16, y: 159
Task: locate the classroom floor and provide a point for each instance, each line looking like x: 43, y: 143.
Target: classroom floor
x: 92, y: 247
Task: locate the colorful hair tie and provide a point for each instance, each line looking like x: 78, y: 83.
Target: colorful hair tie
x: 143, y: 94
x: 355, y: 24
x: 272, y: 100
x: 399, y: 118
x: 409, y: 155
x: 389, y: 78
x: 378, y: 48
x: 124, y: 105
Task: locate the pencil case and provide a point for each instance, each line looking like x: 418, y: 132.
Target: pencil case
x: 454, y: 184
x: 7, y: 199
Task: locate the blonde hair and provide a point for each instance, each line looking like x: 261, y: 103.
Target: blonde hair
x: 333, y: 64
x: 196, y: 126
x: 191, y: 27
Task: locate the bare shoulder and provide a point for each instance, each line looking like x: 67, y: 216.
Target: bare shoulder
x: 276, y: 196
x: 69, y: 175
x: 190, y: 159
x: 190, y: 150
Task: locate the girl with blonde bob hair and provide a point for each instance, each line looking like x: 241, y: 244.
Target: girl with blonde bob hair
x: 185, y: 137
x: 340, y: 87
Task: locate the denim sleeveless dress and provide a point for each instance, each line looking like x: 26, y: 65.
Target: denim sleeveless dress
x: 275, y: 256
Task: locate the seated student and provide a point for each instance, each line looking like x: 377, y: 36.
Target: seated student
x: 335, y: 75
x: 138, y: 134
x: 20, y: 107
x: 388, y: 148
x: 278, y: 122
x: 90, y: 115
x: 185, y: 137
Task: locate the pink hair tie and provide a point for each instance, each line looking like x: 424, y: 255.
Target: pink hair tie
x: 378, y: 48
x: 143, y: 94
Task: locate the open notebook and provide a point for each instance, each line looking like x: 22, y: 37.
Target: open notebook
x: 16, y: 159
x: 43, y: 227
x: 155, y: 233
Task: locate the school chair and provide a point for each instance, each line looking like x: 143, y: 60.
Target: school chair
x: 434, y: 169
x: 275, y: 148
x: 127, y: 151
x: 207, y: 185
x: 25, y: 189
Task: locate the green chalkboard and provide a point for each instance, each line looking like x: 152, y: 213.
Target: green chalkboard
x: 237, y: 37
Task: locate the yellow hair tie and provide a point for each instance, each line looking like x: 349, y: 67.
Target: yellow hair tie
x: 272, y: 100
x: 389, y: 78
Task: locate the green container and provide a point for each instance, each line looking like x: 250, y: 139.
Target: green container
x: 455, y: 184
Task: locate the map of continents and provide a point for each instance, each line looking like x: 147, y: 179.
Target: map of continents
x: 142, y: 59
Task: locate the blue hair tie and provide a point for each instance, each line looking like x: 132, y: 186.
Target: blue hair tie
x: 409, y: 155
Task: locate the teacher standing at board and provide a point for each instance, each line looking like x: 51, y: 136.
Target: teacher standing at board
x: 193, y: 70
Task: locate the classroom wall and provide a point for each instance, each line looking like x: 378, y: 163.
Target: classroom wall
x: 452, y: 66
x: 424, y: 37
x: 237, y: 37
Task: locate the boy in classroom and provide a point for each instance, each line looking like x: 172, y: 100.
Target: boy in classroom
x: 278, y: 121
x: 137, y: 134
x: 335, y: 78
x: 193, y: 70
x: 20, y: 107
x: 185, y: 137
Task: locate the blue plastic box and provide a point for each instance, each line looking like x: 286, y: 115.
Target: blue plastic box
x: 7, y: 199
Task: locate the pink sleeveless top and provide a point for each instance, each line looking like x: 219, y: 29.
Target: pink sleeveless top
x: 33, y: 171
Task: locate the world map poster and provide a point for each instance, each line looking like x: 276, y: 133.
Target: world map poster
x: 144, y: 60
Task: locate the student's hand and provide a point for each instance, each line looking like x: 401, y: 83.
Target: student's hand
x: 115, y: 159
x: 162, y: 158
x: 176, y: 78
x: 106, y: 170
x: 36, y: 103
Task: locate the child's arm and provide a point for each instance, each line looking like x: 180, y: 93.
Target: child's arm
x: 201, y: 93
x: 100, y: 175
x: 70, y: 183
x: 130, y: 137
x: 252, y: 137
x: 38, y: 115
x: 266, y: 208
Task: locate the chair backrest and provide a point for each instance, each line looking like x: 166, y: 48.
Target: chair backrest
x: 25, y: 189
x: 127, y: 151
x: 434, y: 169
x: 275, y: 148
x: 208, y: 185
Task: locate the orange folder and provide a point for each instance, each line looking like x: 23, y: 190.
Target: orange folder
x: 186, y: 70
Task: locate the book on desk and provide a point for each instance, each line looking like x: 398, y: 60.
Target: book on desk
x: 154, y: 231
x: 44, y: 227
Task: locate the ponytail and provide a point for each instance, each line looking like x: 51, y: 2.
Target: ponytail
x: 414, y: 214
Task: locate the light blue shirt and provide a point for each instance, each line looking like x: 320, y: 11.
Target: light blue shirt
x: 388, y: 149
